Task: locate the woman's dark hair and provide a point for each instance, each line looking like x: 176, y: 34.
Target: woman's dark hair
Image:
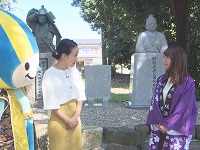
x: 65, y: 46
x: 178, y: 68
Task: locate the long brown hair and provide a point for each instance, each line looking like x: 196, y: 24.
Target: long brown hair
x: 178, y: 68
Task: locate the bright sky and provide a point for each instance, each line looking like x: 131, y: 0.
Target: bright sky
x: 68, y: 20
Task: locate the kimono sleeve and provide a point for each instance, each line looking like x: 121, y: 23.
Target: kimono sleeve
x: 184, y: 111
x: 154, y: 115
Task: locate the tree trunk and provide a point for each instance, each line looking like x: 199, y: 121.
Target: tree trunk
x: 180, y: 12
x: 104, y: 53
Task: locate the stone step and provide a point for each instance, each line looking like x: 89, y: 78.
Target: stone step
x: 97, y: 138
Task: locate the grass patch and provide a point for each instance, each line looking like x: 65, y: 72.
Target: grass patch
x: 120, y: 81
x: 98, y: 100
x: 119, y: 97
x: 120, y: 87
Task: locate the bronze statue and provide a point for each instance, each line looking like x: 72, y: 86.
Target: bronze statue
x: 43, y: 28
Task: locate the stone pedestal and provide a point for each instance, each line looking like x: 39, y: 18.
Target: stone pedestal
x: 34, y: 90
x: 98, y: 83
x: 145, y: 69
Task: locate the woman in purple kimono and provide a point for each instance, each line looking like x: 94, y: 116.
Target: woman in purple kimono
x: 173, y: 111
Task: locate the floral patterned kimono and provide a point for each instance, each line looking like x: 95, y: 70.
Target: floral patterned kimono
x: 178, y: 114
x: 17, y: 130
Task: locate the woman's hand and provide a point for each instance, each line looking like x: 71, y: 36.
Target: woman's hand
x: 162, y: 128
x: 72, y: 123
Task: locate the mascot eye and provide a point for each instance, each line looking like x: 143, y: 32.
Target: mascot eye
x: 27, y: 66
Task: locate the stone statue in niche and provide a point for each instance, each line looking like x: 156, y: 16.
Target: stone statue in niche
x: 43, y: 28
x: 151, y: 41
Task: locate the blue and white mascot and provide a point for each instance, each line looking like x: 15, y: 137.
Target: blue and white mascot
x: 19, y: 63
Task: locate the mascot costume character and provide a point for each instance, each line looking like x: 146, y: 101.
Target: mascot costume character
x: 19, y: 63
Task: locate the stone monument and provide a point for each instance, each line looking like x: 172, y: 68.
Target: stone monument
x: 44, y: 29
x: 146, y: 65
x: 98, y: 84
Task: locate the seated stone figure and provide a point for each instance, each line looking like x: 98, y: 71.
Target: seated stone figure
x: 151, y: 40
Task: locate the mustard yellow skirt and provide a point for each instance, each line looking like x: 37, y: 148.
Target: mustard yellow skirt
x: 59, y: 137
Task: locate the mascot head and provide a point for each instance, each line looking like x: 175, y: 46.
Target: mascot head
x: 19, y: 54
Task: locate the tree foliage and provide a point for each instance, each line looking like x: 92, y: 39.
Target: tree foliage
x: 194, y: 43
x: 6, y: 4
x: 120, y: 22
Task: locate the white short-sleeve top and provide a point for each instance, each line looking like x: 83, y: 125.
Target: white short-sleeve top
x: 61, y: 86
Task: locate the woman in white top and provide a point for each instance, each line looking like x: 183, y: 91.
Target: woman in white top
x: 63, y: 93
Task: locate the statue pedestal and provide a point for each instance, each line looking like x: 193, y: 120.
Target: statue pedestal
x: 145, y: 69
x: 34, y: 90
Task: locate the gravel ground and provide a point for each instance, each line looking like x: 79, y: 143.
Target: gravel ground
x: 116, y: 115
